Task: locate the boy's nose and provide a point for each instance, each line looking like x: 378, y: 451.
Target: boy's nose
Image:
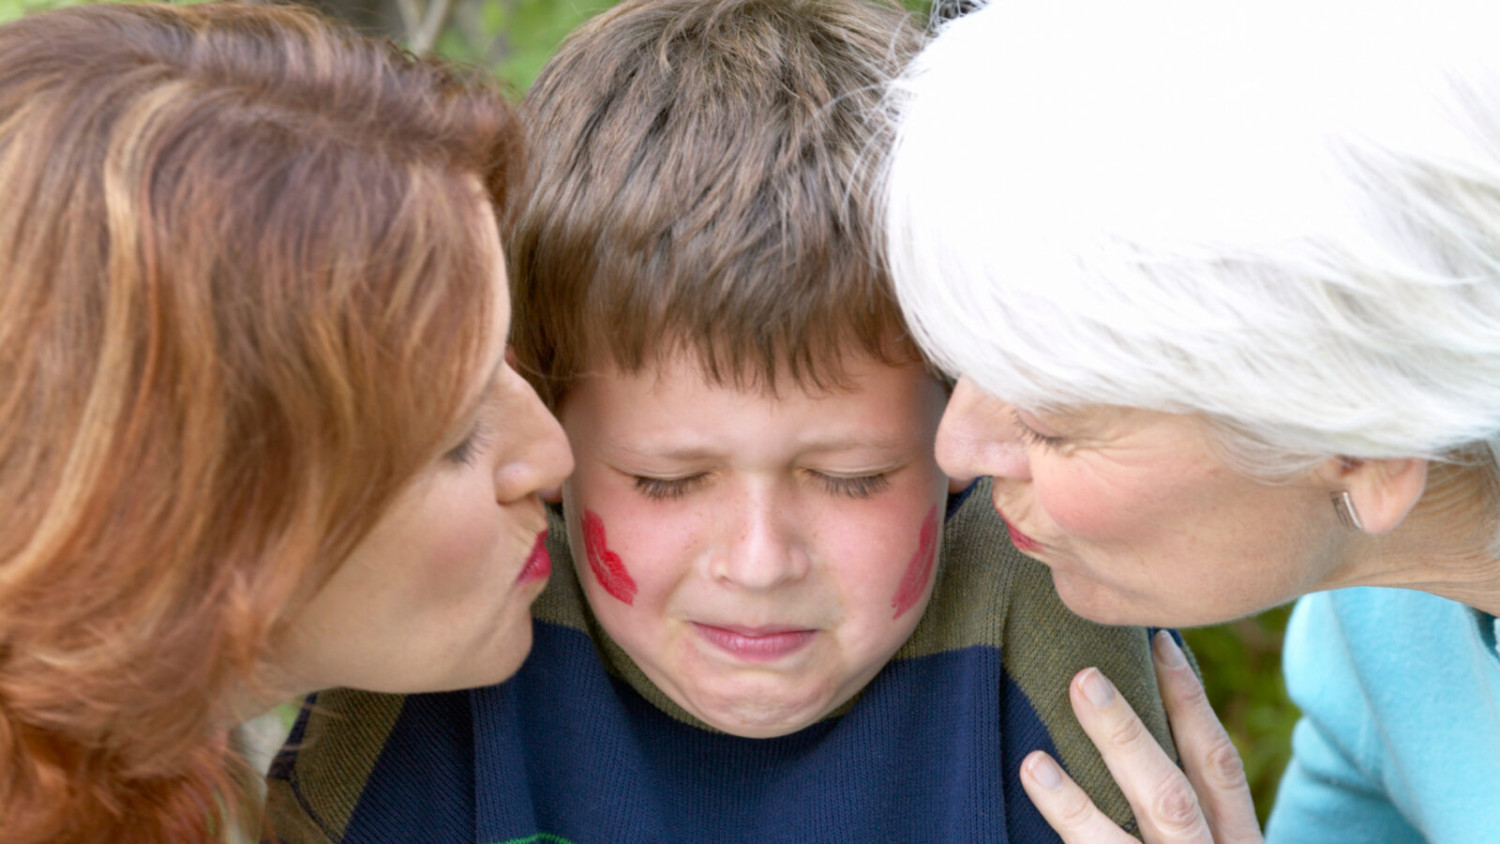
x: 978, y: 436
x: 762, y: 550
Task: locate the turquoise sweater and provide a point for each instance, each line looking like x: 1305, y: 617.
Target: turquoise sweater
x: 1400, y: 735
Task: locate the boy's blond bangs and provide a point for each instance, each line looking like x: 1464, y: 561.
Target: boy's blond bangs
x: 702, y: 183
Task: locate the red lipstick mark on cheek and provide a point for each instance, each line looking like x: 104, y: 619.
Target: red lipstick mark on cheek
x: 919, y: 570
x: 606, y: 565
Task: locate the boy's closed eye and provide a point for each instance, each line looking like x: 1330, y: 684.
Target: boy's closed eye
x: 848, y: 486
x: 854, y: 486
x: 666, y: 489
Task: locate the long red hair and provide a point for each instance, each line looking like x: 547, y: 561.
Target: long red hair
x: 241, y: 299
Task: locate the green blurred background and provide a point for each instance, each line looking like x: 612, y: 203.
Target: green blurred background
x: 1241, y: 661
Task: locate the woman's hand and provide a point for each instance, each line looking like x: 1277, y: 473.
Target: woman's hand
x: 1209, y: 803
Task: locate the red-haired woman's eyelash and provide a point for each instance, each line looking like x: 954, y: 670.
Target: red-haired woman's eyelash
x: 464, y: 452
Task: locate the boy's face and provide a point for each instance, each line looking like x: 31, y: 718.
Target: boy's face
x: 760, y: 558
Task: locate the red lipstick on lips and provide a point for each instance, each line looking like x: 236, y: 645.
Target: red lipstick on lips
x: 538, y: 562
x: 1022, y: 542
x: 755, y: 644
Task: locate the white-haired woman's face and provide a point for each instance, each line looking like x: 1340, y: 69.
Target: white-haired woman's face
x: 1138, y: 517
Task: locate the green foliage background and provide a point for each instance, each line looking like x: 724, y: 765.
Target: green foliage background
x: 1241, y: 664
x: 1241, y: 661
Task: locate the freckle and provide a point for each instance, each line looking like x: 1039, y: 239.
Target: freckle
x: 606, y: 565
x: 919, y: 570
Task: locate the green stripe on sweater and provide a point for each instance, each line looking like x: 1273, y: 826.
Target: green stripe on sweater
x: 318, y: 801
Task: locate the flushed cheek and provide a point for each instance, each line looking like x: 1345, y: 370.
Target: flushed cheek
x: 914, y: 581
x: 1090, y: 510
x: 607, y: 567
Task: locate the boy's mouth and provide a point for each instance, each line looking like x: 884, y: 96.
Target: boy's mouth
x: 755, y: 644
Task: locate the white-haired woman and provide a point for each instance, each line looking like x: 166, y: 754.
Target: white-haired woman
x: 1222, y: 282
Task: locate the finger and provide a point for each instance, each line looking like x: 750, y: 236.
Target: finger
x: 1159, y: 792
x: 1212, y: 762
x: 1073, y: 816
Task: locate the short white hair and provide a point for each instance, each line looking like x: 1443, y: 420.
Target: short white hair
x: 1281, y: 214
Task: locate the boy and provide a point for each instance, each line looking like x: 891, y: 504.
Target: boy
x: 746, y: 649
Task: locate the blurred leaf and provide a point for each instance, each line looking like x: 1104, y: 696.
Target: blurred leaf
x: 515, y: 38
x: 1241, y: 664
x: 536, y: 30
x: 12, y: 9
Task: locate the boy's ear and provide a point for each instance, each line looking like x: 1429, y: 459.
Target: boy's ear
x: 1382, y: 492
x: 957, y: 485
x: 551, y: 495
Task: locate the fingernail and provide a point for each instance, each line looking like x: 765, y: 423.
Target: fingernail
x: 1045, y: 772
x: 1097, y: 689
x: 1168, y: 655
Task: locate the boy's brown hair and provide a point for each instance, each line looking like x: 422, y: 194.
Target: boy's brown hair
x: 702, y: 183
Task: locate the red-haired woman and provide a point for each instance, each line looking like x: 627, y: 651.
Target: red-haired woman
x: 257, y: 434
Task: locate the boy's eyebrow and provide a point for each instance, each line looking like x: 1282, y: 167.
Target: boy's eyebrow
x: 880, y: 442
x: 683, y: 453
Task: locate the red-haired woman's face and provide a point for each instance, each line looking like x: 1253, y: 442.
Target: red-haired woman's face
x: 437, y: 595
